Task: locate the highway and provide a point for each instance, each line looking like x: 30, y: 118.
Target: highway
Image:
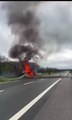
x: 36, y: 99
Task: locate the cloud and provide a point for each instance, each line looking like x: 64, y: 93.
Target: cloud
x: 56, y: 30
x: 5, y: 34
x: 5, y: 38
x: 56, y: 24
x: 59, y: 60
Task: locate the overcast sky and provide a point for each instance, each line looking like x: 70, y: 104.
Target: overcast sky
x: 55, y: 29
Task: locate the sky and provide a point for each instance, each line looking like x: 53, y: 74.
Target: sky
x: 55, y: 30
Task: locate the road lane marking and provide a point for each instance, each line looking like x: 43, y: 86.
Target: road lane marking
x: 28, y: 83
x: 30, y: 104
x: 1, y: 90
x: 66, y: 73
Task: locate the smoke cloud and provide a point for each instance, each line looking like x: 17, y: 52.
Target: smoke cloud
x: 24, y: 26
x: 39, y: 27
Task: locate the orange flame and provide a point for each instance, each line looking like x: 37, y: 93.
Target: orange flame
x: 28, y: 70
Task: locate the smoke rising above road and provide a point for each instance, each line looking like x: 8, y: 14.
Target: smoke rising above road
x: 44, y: 27
x: 24, y: 26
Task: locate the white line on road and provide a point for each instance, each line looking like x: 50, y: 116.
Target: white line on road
x: 28, y: 83
x: 29, y: 105
x: 66, y: 73
x: 1, y: 90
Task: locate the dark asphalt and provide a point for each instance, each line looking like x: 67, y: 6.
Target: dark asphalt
x: 14, y: 83
x: 59, y: 105
x: 15, y: 96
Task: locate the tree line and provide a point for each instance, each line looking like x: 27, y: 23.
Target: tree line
x: 17, y: 67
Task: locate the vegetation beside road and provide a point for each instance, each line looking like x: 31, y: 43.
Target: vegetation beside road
x: 51, y: 74
x: 5, y: 79
x: 12, y: 71
x: 9, y: 79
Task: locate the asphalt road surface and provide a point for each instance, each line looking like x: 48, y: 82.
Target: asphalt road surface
x: 49, y: 99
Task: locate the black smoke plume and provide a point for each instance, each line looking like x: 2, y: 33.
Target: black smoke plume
x: 24, y: 26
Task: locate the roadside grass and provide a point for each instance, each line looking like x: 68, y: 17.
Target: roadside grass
x: 7, y: 79
x: 51, y: 74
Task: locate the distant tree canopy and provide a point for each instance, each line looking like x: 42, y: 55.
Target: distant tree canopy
x: 9, y: 66
x: 12, y: 67
x: 47, y: 70
x: 17, y: 67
